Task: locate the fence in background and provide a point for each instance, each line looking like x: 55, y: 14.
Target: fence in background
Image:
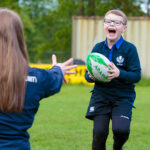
x: 87, y: 31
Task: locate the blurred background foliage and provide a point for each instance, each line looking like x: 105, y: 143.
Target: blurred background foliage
x: 48, y: 23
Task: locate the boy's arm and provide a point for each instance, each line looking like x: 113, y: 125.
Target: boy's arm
x: 87, y: 76
x: 133, y: 72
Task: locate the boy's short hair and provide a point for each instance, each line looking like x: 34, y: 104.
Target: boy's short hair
x: 118, y: 13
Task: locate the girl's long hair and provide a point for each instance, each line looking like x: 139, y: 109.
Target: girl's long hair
x: 13, y: 62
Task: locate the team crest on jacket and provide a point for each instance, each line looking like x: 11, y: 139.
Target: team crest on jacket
x: 120, y: 60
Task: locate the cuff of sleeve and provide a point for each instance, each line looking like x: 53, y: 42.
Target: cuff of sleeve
x: 88, y: 78
x: 122, y: 75
x: 57, y: 67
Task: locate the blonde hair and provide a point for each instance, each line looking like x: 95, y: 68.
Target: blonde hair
x: 13, y: 62
x: 118, y: 13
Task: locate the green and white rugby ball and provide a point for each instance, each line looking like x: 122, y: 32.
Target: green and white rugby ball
x: 97, y: 65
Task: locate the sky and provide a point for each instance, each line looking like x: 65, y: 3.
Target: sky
x: 143, y: 6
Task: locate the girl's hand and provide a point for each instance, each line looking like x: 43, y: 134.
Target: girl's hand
x: 64, y: 66
x: 114, y: 72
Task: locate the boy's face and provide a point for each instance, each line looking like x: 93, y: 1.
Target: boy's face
x: 114, y: 27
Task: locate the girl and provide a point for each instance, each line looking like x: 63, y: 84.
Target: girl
x: 21, y: 87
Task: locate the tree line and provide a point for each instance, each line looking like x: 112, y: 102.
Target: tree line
x: 48, y: 23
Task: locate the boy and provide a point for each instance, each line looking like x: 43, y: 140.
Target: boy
x: 114, y: 100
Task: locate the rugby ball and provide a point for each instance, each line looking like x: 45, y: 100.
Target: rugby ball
x: 97, y: 65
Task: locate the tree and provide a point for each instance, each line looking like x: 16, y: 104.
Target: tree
x: 36, y: 12
x: 148, y: 7
x: 129, y: 7
x: 91, y: 8
x: 58, y: 30
x: 81, y: 8
x: 12, y: 4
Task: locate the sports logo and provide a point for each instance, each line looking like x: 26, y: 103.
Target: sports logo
x: 92, y: 109
x: 120, y: 60
x: 122, y: 116
x: 31, y: 79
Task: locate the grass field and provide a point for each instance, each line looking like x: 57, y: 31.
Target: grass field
x: 60, y: 123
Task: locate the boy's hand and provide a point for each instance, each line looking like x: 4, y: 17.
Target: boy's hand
x: 114, y: 72
x: 91, y: 77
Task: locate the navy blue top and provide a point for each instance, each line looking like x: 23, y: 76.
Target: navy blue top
x: 124, y: 55
x: 13, y: 126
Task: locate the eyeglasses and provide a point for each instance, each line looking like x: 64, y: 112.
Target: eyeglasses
x: 115, y: 22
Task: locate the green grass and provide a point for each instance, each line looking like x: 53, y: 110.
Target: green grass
x: 144, y: 82
x: 60, y: 123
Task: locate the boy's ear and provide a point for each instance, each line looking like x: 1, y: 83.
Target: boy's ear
x: 124, y: 28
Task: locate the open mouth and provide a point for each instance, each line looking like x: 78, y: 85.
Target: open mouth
x: 113, y: 31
